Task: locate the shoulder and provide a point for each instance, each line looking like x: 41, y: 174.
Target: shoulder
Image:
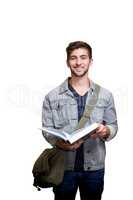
x: 52, y: 94
x: 104, y: 93
x: 55, y: 93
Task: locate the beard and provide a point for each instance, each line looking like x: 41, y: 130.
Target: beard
x: 79, y: 75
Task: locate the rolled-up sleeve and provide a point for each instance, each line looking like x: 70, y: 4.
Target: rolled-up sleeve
x: 110, y: 118
x: 47, y: 121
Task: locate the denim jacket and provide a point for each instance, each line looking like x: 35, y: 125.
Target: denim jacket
x: 60, y: 111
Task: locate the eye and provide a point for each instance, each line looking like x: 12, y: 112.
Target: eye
x: 84, y: 57
x: 72, y: 58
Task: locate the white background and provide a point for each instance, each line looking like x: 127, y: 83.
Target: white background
x: 33, y: 38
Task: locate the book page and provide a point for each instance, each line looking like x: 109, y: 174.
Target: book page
x: 76, y: 135
x: 55, y: 132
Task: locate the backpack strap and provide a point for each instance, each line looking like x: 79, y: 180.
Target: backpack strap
x: 89, y: 107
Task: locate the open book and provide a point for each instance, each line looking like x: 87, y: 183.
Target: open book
x: 74, y: 136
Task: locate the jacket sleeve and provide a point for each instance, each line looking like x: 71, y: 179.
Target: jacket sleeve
x: 47, y: 121
x: 110, y: 118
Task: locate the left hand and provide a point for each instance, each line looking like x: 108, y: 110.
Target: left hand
x: 102, y: 132
x: 67, y: 146
x: 77, y: 144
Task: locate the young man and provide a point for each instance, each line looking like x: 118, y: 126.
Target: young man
x: 63, y: 107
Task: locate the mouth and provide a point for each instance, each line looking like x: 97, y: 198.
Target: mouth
x: 79, y: 69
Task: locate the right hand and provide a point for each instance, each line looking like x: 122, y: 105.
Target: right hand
x: 67, y: 146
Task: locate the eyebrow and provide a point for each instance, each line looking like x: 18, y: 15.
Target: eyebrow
x: 83, y: 55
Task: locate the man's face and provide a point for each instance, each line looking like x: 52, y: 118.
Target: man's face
x: 79, y: 62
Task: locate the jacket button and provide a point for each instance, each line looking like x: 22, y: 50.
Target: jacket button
x: 89, y: 168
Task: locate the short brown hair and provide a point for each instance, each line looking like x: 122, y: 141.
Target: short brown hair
x: 76, y: 45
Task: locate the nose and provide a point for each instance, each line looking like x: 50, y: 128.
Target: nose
x: 78, y: 61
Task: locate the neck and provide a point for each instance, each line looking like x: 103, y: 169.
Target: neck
x: 80, y: 82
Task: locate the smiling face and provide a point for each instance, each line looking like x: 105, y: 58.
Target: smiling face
x: 79, y: 62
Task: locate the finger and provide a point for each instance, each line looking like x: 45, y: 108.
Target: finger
x: 80, y: 141
x: 102, y: 134
x: 100, y: 129
x: 77, y: 145
x: 94, y: 136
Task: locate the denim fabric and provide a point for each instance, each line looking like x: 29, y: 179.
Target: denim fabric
x: 90, y: 185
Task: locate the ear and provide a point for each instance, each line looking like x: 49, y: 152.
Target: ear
x: 91, y: 61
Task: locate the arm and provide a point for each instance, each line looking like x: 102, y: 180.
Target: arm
x: 47, y: 121
x: 109, y: 129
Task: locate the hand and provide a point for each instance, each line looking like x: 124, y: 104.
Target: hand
x: 102, y: 132
x: 67, y: 146
x: 77, y: 144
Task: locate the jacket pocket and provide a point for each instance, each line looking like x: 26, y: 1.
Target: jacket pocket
x: 98, y: 113
x: 60, y: 113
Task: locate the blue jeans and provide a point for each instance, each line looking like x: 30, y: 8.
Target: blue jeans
x: 90, y: 185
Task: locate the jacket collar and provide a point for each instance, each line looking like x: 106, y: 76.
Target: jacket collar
x: 64, y: 86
